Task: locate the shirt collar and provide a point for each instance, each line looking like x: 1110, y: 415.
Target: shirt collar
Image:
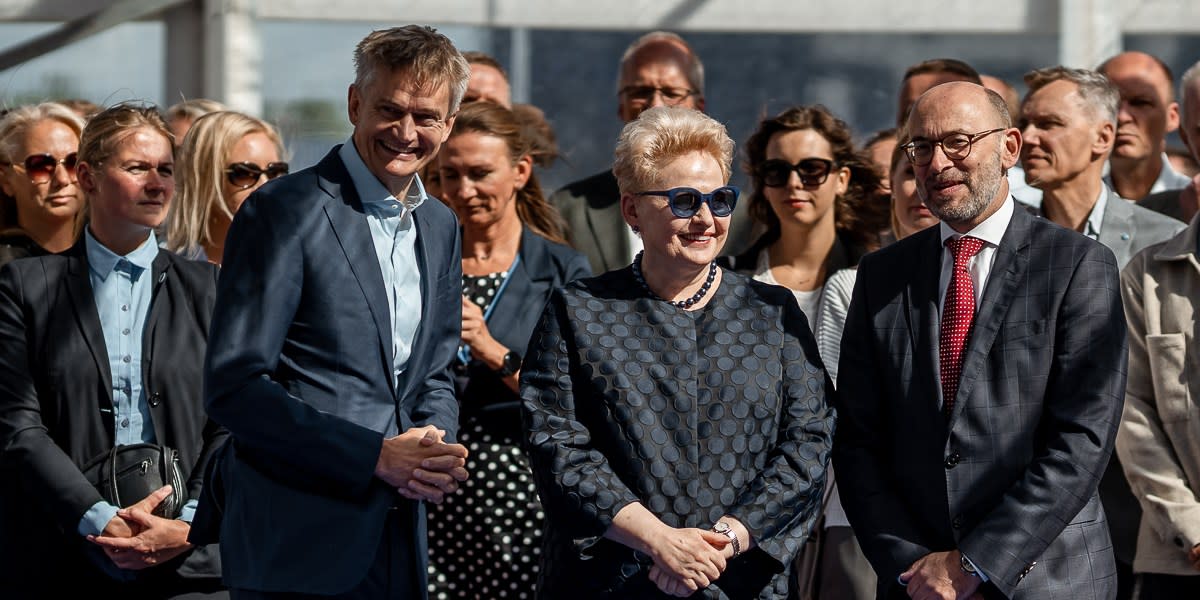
x: 370, y: 189
x: 1096, y: 218
x: 102, y: 260
x: 1168, y: 177
x: 991, y: 230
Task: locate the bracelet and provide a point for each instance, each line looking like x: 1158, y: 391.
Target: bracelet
x: 724, y: 529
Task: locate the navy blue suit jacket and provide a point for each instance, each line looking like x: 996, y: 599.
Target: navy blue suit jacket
x: 1010, y: 478
x: 300, y: 371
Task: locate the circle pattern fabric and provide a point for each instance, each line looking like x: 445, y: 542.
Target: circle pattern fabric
x: 695, y: 414
x: 485, y: 540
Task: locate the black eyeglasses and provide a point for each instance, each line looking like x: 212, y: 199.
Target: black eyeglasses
x: 40, y: 167
x: 245, y: 174
x: 812, y: 171
x: 645, y: 93
x: 685, y: 202
x: 957, y: 146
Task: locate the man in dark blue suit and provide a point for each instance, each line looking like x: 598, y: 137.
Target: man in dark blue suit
x: 971, y: 441
x: 337, y: 319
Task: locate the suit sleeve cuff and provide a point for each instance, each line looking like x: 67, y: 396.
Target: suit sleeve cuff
x: 96, y: 518
x: 982, y: 576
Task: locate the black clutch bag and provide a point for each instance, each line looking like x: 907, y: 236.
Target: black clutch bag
x: 127, y: 474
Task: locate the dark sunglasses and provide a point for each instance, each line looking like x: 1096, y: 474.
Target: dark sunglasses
x: 812, y: 171
x: 685, y: 202
x: 40, y: 167
x: 245, y: 174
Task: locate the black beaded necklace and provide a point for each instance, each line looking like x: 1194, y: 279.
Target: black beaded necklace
x: 688, y: 303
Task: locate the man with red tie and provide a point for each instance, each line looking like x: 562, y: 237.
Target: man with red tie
x: 982, y: 376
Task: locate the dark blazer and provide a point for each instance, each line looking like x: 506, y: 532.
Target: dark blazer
x: 56, y: 402
x: 1010, y: 479
x: 1166, y: 203
x: 592, y: 210
x: 545, y: 266
x: 300, y: 372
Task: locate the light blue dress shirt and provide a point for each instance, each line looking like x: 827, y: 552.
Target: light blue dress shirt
x: 394, y: 234
x: 122, y: 287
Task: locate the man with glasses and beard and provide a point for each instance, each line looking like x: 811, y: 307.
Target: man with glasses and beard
x: 970, y: 450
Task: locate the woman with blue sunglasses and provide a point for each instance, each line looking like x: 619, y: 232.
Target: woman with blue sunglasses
x: 675, y: 412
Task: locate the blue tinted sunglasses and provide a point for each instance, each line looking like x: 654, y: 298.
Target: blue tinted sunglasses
x: 685, y: 202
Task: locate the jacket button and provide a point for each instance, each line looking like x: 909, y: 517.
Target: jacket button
x: 952, y: 460
x: 155, y: 399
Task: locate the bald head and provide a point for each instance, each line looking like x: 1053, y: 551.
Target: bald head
x: 1148, y: 111
x: 1189, y: 124
x: 924, y: 75
x: 659, y: 69
x: 1011, y: 98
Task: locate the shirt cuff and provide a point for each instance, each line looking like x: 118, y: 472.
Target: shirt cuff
x: 96, y: 518
x: 188, y: 511
x: 982, y: 576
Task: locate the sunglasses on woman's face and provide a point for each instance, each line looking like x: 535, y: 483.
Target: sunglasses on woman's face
x: 40, y: 167
x: 244, y: 175
x: 812, y: 171
x: 685, y: 202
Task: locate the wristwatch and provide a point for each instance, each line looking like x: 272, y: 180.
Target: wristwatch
x: 724, y: 529
x: 511, y: 363
x: 966, y: 565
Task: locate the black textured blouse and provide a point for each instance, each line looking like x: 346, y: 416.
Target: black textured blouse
x: 696, y: 414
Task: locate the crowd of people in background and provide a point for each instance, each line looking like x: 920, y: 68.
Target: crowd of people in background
x: 956, y: 358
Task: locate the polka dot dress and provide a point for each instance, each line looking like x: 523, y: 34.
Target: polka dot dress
x: 485, y: 541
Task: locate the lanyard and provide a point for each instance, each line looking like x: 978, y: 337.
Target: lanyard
x: 464, y: 351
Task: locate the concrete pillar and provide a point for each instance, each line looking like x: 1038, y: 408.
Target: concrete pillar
x: 184, y: 63
x: 232, y: 51
x: 1089, y: 31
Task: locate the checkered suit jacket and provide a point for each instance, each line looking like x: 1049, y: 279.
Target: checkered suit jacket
x: 1010, y: 478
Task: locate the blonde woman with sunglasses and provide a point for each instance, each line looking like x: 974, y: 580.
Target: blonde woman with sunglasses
x: 224, y: 158
x: 40, y: 203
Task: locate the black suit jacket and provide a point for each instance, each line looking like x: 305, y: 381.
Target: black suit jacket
x: 56, y: 400
x: 300, y: 372
x: 1166, y: 203
x: 1010, y: 479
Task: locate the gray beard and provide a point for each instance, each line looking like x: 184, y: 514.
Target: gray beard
x: 981, y: 193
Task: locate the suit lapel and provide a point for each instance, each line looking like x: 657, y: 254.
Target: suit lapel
x: 79, y: 287
x: 159, y: 271
x: 1117, y: 227
x: 923, y: 311
x: 349, y: 223
x: 1009, y: 268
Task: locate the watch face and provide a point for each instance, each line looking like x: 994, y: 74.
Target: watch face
x: 721, y: 527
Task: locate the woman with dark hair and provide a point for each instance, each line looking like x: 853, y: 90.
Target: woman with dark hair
x: 485, y: 540
x: 675, y: 411
x: 102, y: 350
x: 41, y: 208
x: 817, y: 198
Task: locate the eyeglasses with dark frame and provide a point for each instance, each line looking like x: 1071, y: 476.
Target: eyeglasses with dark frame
x: 39, y: 168
x: 244, y: 175
x: 957, y: 146
x: 685, y: 202
x: 812, y: 171
x: 671, y: 96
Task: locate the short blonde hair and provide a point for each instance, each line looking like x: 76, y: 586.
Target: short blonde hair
x: 193, y: 109
x: 662, y: 134
x: 13, y: 126
x: 427, y: 56
x: 200, y: 174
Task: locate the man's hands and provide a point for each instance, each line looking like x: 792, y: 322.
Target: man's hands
x: 1194, y: 556
x: 420, y: 465
x: 135, y: 539
x: 939, y: 576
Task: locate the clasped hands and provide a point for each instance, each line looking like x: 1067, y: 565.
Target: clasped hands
x: 135, y: 539
x: 421, y: 465
x: 940, y: 576
x: 686, y: 560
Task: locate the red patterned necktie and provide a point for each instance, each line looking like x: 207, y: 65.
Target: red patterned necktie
x: 958, y: 314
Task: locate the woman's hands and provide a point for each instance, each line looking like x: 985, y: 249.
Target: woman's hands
x: 135, y: 539
x: 685, y: 559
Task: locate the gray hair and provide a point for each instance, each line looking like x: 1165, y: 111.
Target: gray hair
x: 662, y: 134
x: 693, y: 70
x: 427, y: 56
x: 1097, y: 92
